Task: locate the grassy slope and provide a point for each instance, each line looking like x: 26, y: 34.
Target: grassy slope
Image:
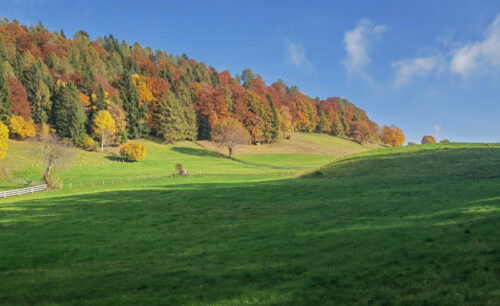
x: 403, y: 225
x: 302, y: 150
x: 91, y: 167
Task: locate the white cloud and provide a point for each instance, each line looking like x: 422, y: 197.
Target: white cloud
x: 437, y: 130
x: 420, y: 66
x: 478, y: 54
x: 357, y: 43
x: 297, y: 56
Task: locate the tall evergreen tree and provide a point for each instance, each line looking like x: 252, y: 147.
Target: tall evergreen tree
x: 135, y: 111
x: 214, y: 77
x: 276, y: 122
x: 88, y: 78
x: 68, y: 115
x: 324, y: 125
x: 337, y: 127
x: 5, y: 101
x: 247, y: 77
x: 38, y: 93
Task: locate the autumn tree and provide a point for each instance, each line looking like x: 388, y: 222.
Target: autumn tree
x: 359, y: 131
x: 133, y: 151
x: 104, y: 126
x: 230, y: 133
x: 4, y: 136
x: 428, y: 139
x: 393, y: 136
x: 20, y: 105
x: 20, y: 128
x: 286, y: 126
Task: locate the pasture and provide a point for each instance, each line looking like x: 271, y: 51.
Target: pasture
x: 411, y: 225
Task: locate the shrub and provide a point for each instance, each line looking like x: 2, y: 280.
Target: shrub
x: 179, y: 166
x: 412, y: 143
x: 89, y: 143
x: 428, y: 139
x: 444, y: 141
x: 21, y: 128
x: 133, y: 151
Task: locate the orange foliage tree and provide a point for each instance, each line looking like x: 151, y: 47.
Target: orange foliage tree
x: 392, y: 135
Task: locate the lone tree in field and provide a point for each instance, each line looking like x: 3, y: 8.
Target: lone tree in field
x: 230, y: 133
x: 428, y: 139
x: 393, y: 136
x: 53, y: 151
x: 104, y: 126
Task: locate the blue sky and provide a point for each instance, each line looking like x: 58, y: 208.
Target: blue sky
x: 430, y: 67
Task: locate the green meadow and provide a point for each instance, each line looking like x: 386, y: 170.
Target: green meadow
x: 408, y: 225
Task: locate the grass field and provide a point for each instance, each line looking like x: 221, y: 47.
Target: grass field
x: 412, y: 225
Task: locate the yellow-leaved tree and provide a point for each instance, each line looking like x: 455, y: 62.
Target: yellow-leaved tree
x: 133, y: 151
x: 21, y: 128
x: 4, y: 136
x: 104, y: 126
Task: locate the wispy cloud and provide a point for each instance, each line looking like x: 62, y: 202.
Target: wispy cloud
x: 479, y: 54
x: 297, y: 56
x: 420, y: 66
x: 437, y: 130
x: 357, y: 43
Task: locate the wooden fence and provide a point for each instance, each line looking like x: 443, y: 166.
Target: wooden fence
x: 9, y: 193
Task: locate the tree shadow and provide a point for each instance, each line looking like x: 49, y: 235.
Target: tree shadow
x: 117, y: 158
x: 195, y: 152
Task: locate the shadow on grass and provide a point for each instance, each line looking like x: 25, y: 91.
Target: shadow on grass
x: 315, y: 241
x: 194, y: 152
x: 117, y: 158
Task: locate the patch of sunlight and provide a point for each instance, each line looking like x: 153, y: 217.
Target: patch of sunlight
x: 357, y: 228
x: 258, y: 298
x: 15, y: 208
x: 33, y: 219
x: 482, y: 209
x: 454, y: 222
x: 487, y: 200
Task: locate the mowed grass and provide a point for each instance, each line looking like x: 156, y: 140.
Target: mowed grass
x: 302, y: 143
x: 91, y: 168
x: 297, y: 160
x: 413, y: 225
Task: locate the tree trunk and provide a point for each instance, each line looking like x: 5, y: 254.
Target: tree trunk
x: 102, y: 142
x: 230, y: 152
x: 46, y: 175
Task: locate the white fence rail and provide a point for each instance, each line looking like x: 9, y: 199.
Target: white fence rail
x: 9, y: 193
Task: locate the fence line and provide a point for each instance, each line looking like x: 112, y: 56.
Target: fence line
x: 9, y: 193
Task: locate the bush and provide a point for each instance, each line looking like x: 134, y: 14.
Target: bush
x: 89, y: 143
x: 428, y: 139
x: 444, y: 141
x: 133, y: 151
x: 412, y: 143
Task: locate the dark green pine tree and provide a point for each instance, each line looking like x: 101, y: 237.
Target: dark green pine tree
x: 214, y: 77
x: 18, y: 65
x: 135, y: 111
x: 276, y: 122
x: 247, y: 77
x: 189, y: 113
x: 324, y: 125
x: 88, y: 78
x: 68, y: 116
x: 38, y: 93
x: 5, y: 101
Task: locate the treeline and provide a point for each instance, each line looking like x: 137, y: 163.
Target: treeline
x: 61, y: 84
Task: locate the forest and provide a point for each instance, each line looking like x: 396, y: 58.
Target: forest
x: 49, y: 82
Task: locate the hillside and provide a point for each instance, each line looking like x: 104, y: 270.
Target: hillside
x: 52, y: 81
x: 412, y: 225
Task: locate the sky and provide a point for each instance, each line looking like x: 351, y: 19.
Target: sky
x: 430, y: 67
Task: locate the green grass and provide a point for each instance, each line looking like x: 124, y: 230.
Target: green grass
x: 288, y: 159
x: 413, y: 225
